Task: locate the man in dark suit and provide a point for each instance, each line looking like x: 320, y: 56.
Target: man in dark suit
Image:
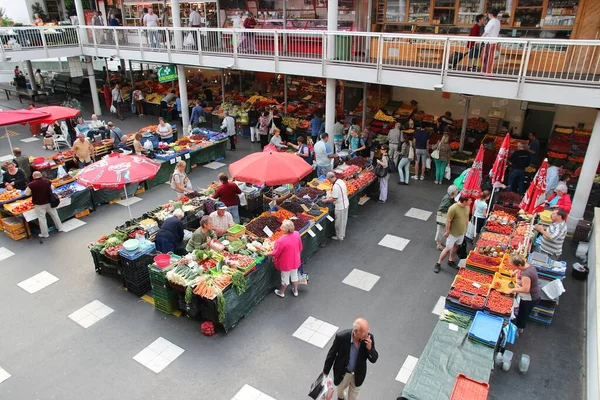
x: 348, y: 355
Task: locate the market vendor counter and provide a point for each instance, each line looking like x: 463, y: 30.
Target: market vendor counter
x: 447, y: 354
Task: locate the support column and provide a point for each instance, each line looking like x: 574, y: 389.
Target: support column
x: 29, y: 69
x: 83, y: 35
x: 222, y: 85
x: 332, y: 25
x: 183, y: 96
x: 463, y: 129
x: 285, y: 95
x: 175, y: 14
x: 586, y: 178
x: 93, y: 88
x: 364, y: 103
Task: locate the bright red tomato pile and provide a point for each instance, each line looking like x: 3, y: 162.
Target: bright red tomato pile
x: 475, y: 276
x: 492, y: 226
x: 499, y: 303
x: 466, y: 285
x: 484, y: 261
x: 474, y: 302
x: 497, y: 238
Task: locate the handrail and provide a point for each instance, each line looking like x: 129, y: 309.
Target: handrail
x: 573, y: 62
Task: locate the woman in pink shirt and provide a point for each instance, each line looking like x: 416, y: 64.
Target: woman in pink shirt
x: 286, y: 255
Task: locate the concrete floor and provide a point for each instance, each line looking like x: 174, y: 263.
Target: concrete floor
x: 51, y: 357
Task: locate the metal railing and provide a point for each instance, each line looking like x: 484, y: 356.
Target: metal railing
x: 573, y: 62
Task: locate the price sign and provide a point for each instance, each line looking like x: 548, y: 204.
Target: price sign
x: 477, y: 285
x: 329, y: 218
x: 178, y: 158
x: 319, y: 227
x: 268, y: 231
x: 453, y: 327
x: 172, y: 161
x: 187, y: 156
x: 311, y: 233
x: 30, y: 215
x: 306, y: 209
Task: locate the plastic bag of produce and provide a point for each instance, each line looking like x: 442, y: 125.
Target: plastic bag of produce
x: 61, y: 171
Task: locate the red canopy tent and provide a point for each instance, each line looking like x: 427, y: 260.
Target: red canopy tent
x: 14, y: 117
x: 56, y: 113
x: 270, y: 168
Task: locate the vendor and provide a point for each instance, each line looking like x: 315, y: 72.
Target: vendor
x: 137, y: 145
x: 534, y: 149
x: 82, y: 151
x: 221, y: 219
x: 82, y: 127
x: 116, y: 135
x: 444, y: 121
x: 14, y: 178
x: 553, y: 236
x: 442, y: 210
x: 165, y: 131
x: 518, y: 161
x: 228, y: 193
x: 22, y: 162
x: 276, y: 140
x: 164, y: 103
x: 560, y: 199
x: 201, y: 237
x: 170, y: 235
x: 528, y: 289
x: 97, y: 127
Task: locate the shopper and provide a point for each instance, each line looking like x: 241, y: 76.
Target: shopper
x: 165, y: 131
x: 151, y: 20
x: 39, y: 80
x: 228, y: 126
x: 394, y: 140
x: 475, y: 47
x: 180, y: 182
x: 323, y: 155
x: 286, y: 257
x: 40, y: 189
x: 348, y: 356
x: 83, y: 151
x: 138, y: 148
x: 315, y: 126
x: 338, y: 134
x: 492, y: 30
x: 480, y: 211
x: 198, y: 116
x: 354, y: 127
x: 356, y: 144
x: 253, y: 121
x: 177, y: 108
x: 553, y: 237
x: 560, y: 199
x: 534, y: 149
x: 37, y: 20
x: 13, y: 178
x: 250, y: 40
x: 383, y: 181
x: 201, y: 237
x: 115, y: 134
x: 444, y: 121
x: 442, y: 211
x: 421, y: 154
x: 117, y: 100
x: 456, y: 227
x: 228, y: 193
x: 552, y: 179
x: 138, y: 99
x: 82, y: 128
x: 169, y: 237
x: 339, y: 197
x: 48, y: 140
x: 221, y: 219
x: 97, y: 127
x: 518, y: 161
x: 22, y: 162
x: 303, y: 150
x: 528, y: 289
x: 368, y: 137
x: 264, y: 124
x: 276, y: 140
x: 443, y: 157
x: 406, y: 155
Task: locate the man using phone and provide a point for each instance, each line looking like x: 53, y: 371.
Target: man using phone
x: 348, y: 355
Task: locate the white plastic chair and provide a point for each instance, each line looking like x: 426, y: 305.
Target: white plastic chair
x: 61, y: 138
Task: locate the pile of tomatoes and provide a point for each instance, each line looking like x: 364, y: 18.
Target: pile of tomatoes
x: 484, y: 261
x: 498, y: 239
x: 499, y: 303
x: 468, y: 286
x: 492, y: 226
x: 475, y: 276
x: 473, y: 302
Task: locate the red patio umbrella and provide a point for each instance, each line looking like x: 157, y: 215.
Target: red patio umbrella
x: 534, y: 195
x: 117, y: 170
x: 14, y: 117
x: 57, y: 113
x: 472, y: 183
x: 270, y: 168
x: 499, y: 168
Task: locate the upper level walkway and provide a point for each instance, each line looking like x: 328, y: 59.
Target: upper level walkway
x: 541, y: 70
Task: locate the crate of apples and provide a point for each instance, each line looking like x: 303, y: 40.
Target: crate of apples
x: 19, y: 207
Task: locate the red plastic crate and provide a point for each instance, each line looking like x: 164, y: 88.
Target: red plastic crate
x: 466, y: 388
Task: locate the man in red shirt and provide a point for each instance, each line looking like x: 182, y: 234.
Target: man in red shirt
x: 475, y: 47
x: 228, y: 193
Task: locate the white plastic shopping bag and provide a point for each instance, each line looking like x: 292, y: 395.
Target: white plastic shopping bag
x: 61, y: 171
x: 243, y: 201
x: 113, y: 109
x: 148, y: 145
x: 189, y: 40
x: 328, y: 389
x: 554, y: 289
x: 470, y: 230
x: 428, y: 163
x: 448, y: 172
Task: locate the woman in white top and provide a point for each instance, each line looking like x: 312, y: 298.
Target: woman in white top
x: 491, y: 30
x: 480, y: 210
x: 165, y: 131
x: 180, y: 182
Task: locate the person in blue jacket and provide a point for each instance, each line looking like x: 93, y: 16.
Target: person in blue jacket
x: 170, y: 236
x: 315, y: 126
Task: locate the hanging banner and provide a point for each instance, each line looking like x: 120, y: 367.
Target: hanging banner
x: 167, y: 73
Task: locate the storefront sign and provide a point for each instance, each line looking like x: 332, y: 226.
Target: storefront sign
x: 167, y: 73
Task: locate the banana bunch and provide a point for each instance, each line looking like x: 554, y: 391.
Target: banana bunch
x: 381, y: 116
x: 255, y: 98
x: 153, y: 98
x: 290, y: 122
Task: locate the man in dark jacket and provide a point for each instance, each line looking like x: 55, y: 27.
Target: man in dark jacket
x: 348, y: 355
x: 170, y: 236
x: 39, y: 189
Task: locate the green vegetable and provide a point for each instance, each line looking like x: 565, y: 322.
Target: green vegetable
x: 221, y: 307
x: 239, y: 282
x: 188, y: 294
x: 113, y: 241
x: 461, y: 320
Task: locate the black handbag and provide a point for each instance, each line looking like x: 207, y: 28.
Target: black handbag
x: 316, y: 387
x: 461, y: 252
x: 380, y: 171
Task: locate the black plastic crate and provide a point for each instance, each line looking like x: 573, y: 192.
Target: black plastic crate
x: 138, y: 289
x: 192, y: 309
x: 106, y: 266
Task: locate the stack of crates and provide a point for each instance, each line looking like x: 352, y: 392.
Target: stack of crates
x: 135, y: 269
x: 14, y: 228
x: 165, y: 298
